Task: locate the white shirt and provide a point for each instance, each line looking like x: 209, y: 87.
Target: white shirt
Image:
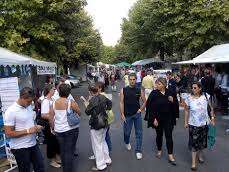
x: 20, y: 118
x: 139, y: 77
x: 67, y: 82
x: 101, y: 79
x: 198, y: 113
x: 60, y: 121
x: 45, y: 106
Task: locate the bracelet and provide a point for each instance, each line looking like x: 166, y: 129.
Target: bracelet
x: 27, y: 131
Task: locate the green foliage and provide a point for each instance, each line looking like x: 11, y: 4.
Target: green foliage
x: 107, y: 54
x: 56, y: 30
x: 173, y: 28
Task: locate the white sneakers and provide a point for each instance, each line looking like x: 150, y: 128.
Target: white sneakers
x: 139, y: 156
x: 128, y: 147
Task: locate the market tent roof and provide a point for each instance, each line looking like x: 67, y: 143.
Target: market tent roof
x: 216, y: 54
x: 185, y: 62
x: 146, y: 61
x: 10, y: 58
x: 123, y: 64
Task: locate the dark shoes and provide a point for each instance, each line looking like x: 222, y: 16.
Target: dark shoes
x: 194, y: 168
x: 173, y: 162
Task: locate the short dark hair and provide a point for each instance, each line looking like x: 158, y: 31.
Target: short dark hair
x: 168, y: 73
x: 26, y: 93
x: 100, y: 85
x: 132, y: 74
x: 199, y: 85
x: 47, y: 89
x: 93, y: 88
x: 64, y: 90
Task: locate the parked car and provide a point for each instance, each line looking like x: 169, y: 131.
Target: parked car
x: 71, y: 80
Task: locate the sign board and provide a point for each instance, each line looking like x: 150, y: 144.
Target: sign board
x: 9, y: 91
x: 45, y: 70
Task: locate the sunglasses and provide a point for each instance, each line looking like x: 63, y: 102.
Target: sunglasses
x: 194, y: 88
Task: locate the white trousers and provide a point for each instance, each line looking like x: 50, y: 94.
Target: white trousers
x: 100, y: 148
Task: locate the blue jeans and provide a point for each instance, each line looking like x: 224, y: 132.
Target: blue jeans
x: 127, y: 127
x: 26, y: 156
x: 108, y: 139
x: 67, y: 141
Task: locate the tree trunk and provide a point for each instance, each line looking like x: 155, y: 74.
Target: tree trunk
x: 162, y: 52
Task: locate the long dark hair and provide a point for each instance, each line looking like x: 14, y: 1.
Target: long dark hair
x: 47, y: 89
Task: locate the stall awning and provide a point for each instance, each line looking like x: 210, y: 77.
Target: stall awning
x: 216, y: 54
x: 10, y: 58
x: 123, y: 64
x: 184, y: 62
x: 146, y: 61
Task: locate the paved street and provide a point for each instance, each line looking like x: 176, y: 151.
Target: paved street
x: 123, y: 161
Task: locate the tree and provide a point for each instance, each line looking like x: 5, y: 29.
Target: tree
x: 175, y: 27
x: 55, y: 30
x: 107, y: 54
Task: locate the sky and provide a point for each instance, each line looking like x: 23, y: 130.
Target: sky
x: 107, y: 16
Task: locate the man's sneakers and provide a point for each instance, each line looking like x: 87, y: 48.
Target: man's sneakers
x: 139, y: 155
x: 128, y: 147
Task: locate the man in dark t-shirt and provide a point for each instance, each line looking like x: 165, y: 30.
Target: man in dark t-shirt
x: 131, y: 109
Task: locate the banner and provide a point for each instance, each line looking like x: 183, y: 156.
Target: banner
x: 45, y: 70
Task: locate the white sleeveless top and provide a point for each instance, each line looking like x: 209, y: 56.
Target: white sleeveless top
x: 60, y: 120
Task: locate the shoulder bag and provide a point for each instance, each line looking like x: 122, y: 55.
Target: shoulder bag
x: 72, y: 117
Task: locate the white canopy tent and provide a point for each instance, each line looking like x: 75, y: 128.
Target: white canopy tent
x: 146, y: 61
x: 10, y: 58
x: 216, y: 54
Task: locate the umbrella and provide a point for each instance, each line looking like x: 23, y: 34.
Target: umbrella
x: 123, y: 64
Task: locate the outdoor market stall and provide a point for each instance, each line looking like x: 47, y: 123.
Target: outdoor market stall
x: 216, y: 54
x: 16, y: 72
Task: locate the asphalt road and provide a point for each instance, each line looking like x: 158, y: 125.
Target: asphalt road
x: 216, y: 160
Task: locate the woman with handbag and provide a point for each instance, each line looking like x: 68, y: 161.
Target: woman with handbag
x: 110, y: 113
x: 96, y: 109
x: 66, y: 125
x: 161, y: 115
x: 52, y: 148
x: 198, y: 114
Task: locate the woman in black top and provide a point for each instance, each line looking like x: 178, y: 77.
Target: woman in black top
x: 160, y: 114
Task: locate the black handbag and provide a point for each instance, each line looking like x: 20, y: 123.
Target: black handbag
x: 101, y: 121
x: 100, y: 117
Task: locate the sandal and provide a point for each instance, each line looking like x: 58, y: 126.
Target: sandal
x: 194, y: 168
x: 158, y: 155
x: 201, y: 161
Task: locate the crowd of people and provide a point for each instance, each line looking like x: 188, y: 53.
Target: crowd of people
x: 142, y: 90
